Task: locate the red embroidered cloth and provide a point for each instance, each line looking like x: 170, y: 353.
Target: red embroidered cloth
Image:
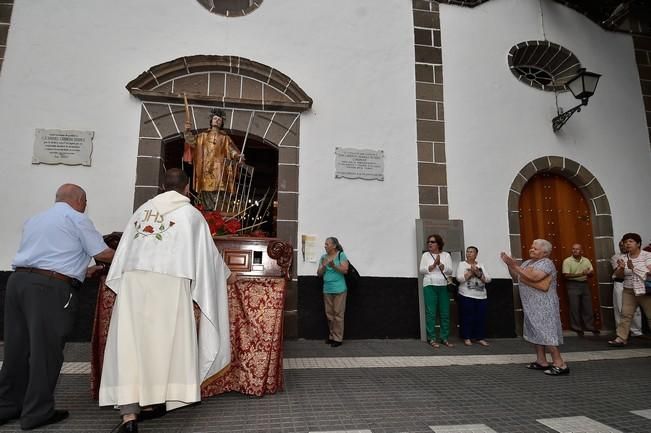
x: 255, y: 307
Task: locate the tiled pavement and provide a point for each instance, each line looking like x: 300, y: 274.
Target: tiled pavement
x: 380, y: 386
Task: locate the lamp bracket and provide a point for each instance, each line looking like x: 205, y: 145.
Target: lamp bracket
x: 563, y: 117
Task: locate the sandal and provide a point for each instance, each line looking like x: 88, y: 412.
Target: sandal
x: 617, y: 342
x: 535, y: 366
x: 434, y: 344
x: 557, y: 371
x: 446, y: 343
x: 467, y: 342
x: 483, y: 343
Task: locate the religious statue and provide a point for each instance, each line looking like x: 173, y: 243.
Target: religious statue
x: 207, y: 152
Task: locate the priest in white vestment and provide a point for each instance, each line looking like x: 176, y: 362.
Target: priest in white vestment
x: 165, y: 260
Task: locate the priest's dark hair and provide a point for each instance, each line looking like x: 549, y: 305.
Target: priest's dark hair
x: 175, y: 180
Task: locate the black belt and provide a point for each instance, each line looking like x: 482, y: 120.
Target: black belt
x: 51, y: 274
x: 618, y: 280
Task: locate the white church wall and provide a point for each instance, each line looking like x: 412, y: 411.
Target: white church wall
x: 66, y: 67
x: 496, y: 124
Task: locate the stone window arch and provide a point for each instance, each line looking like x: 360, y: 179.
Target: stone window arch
x: 543, y: 65
x: 600, y: 213
x: 231, y: 8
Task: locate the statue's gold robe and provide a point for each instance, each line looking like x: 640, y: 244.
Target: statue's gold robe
x: 209, y: 149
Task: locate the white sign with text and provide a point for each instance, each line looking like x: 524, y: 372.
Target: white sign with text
x: 61, y: 146
x: 359, y: 163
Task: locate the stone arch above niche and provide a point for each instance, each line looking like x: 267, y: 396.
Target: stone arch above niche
x: 225, y: 81
x: 248, y: 88
x: 276, y: 118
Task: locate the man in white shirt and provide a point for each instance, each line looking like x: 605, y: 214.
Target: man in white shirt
x: 41, y: 305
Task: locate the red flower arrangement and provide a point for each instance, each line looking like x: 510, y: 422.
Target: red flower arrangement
x: 216, y: 223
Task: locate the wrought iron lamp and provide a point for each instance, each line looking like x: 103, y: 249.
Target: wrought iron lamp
x: 582, y: 87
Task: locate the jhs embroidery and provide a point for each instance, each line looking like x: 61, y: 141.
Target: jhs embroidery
x: 152, y: 224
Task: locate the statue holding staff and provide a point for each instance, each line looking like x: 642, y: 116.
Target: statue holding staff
x: 206, y: 151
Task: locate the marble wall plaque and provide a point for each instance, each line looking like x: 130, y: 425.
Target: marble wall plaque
x: 359, y: 163
x: 61, y: 146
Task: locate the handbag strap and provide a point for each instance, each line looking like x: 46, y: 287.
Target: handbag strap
x: 439, y: 267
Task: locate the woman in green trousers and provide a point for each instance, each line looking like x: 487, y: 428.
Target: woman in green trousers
x: 436, y: 266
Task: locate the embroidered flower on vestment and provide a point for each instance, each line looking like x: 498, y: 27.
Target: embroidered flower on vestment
x: 149, y: 230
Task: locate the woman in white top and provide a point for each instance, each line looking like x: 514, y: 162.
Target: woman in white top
x: 436, y: 266
x: 472, y: 278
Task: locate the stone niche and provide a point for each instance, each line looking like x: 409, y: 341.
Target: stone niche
x: 249, y: 93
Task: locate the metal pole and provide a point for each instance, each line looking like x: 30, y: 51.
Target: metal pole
x: 246, y: 134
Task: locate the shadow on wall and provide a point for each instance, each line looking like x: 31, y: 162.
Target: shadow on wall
x: 383, y: 307
x: 379, y: 308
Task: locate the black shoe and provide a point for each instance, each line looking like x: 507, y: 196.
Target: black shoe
x: 128, y: 427
x: 157, y: 411
x: 58, y: 415
x: 329, y: 341
x: 336, y: 344
x: 596, y: 332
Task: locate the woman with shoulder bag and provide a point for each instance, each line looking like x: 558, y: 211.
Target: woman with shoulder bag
x: 333, y: 265
x: 436, y: 266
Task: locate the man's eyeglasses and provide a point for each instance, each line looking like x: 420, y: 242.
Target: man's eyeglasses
x: 431, y: 242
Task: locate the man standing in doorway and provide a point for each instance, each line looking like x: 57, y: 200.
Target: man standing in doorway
x: 576, y: 270
x: 41, y: 305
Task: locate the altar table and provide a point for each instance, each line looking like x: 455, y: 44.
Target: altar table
x: 255, y: 305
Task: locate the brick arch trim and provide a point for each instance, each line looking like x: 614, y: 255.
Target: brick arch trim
x: 600, y: 213
x: 587, y: 183
x: 220, y: 80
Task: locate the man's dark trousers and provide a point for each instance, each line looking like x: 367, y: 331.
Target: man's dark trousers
x: 39, y: 313
x: 580, y: 300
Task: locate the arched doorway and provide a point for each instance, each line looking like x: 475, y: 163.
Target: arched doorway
x: 552, y: 208
x: 600, y: 216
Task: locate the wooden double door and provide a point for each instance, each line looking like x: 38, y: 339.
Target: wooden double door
x: 553, y: 208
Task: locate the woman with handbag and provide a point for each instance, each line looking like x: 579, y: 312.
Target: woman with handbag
x: 473, y: 302
x: 436, y: 266
x: 333, y: 265
x: 635, y: 268
x: 542, y: 317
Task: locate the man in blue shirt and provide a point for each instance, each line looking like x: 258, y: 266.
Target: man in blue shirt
x: 41, y: 305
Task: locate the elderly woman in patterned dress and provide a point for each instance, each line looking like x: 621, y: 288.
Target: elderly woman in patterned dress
x: 542, y: 319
